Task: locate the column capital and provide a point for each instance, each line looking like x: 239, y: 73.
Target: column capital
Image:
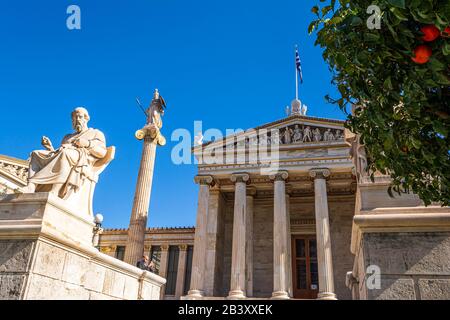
x: 319, y: 173
x: 279, y: 176
x: 204, y: 180
x: 215, y: 188
x: 164, y: 247
x: 183, y: 247
x: 105, y: 249
x: 251, y: 191
x: 240, y: 177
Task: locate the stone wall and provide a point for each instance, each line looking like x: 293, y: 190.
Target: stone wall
x: 263, y: 248
x: 227, y: 248
x: 219, y: 262
x: 413, y: 265
x: 341, y: 217
x: 43, y: 269
x: 15, y: 258
x: 43, y: 257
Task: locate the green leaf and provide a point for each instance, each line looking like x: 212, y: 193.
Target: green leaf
x: 394, y: 34
x: 446, y: 49
x: 398, y: 3
x: 399, y: 14
x: 436, y: 65
x: 416, y: 143
x: 340, y: 59
x: 440, y: 128
x: 326, y: 9
x: 336, y: 20
x: 442, y: 78
x: 414, y: 3
x: 430, y: 83
x: 311, y: 27
x: 356, y: 21
x: 333, y: 3
x: 387, y: 83
x: 371, y: 37
x: 441, y: 21
x: 425, y: 15
x: 363, y: 57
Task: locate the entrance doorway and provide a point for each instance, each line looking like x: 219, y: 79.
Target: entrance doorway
x: 304, y: 267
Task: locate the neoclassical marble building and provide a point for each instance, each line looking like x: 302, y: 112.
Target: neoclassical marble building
x: 275, y: 225
x: 171, y: 250
x: 286, y: 210
x: 13, y: 174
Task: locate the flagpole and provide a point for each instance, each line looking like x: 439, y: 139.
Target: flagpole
x: 296, y: 73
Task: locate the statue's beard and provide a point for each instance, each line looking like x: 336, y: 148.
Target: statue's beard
x: 79, y: 126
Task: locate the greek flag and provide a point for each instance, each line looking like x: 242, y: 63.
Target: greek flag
x: 298, y: 64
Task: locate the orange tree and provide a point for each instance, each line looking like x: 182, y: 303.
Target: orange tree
x: 397, y: 76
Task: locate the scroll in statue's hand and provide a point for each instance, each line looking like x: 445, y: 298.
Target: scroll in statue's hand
x: 47, y: 144
x: 81, y: 143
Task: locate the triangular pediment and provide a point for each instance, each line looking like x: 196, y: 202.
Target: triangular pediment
x: 14, y: 170
x: 294, y: 130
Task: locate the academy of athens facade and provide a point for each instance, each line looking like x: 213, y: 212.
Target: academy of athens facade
x: 269, y: 241
x: 305, y: 224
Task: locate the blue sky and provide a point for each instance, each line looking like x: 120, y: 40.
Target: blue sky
x: 227, y: 63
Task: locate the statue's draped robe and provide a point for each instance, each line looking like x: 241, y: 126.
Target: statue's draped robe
x: 68, y: 165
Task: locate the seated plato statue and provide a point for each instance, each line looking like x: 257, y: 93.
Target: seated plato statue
x: 65, y: 171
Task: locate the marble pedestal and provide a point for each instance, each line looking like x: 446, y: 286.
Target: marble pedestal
x: 46, y: 252
x: 401, y: 248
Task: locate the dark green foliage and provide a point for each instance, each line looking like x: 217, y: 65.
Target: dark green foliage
x: 402, y: 108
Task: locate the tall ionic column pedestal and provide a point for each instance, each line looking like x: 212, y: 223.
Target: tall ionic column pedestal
x: 152, y: 137
x: 138, y: 222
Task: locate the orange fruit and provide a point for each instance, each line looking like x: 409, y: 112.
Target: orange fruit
x: 422, y: 54
x: 430, y: 32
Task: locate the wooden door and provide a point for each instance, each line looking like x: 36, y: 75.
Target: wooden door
x: 305, y: 278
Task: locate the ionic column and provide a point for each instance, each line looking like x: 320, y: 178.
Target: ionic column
x: 164, y: 260
x: 288, y: 244
x: 138, y: 221
x: 163, y: 266
x: 249, y: 242
x: 280, y: 248
x: 212, y: 242
x: 324, y: 257
x: 147, y: 249
x: 237, y: 286
x: 199, y: 256
x: 181, y: 271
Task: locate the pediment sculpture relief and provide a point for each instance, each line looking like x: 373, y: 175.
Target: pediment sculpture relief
x: 293, y: 134
x: 18, y: 171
